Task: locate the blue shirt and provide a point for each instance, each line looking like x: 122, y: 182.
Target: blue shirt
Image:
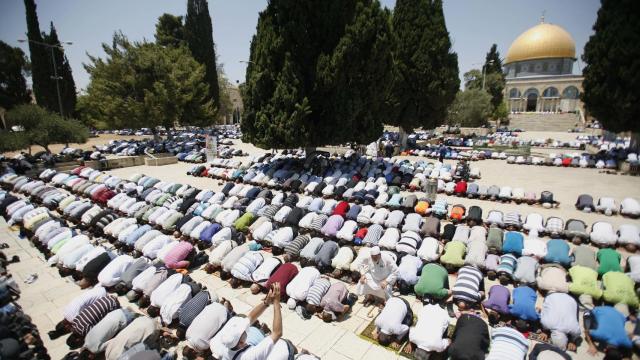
x: 524, y: 304
x: 513, y: 243
x: 558, y: 252
x: 136, y: 234
x: 209, y: 231
x: 609, y: 327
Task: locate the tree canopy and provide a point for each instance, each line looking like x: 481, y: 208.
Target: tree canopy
x: 426, y: 69
x: 170, y: 31
x: 63, y: 69
x: 471, y: 108
x: 318, y: 73
x: 612, y: 73
x: 198, y: 32
x: 13, y: 86
x: 41, y: 127
x: 146, y: 85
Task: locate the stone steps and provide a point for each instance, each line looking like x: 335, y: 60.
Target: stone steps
x: 543, y: 122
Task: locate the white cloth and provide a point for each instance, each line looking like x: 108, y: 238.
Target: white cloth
x: 169, y: 309
x: 205, y: 325
x: 389, y: 321
x: 110, y: 274
x: 432, y: 324
x: 164, y: 290
x: 301, y: 283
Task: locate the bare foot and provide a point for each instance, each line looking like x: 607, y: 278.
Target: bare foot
x: 543, y: 337
x: 571, y: 347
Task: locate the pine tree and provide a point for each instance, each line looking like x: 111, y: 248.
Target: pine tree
x: 318, y: 74
x: 426, y: 69
x: 493, y: 63
x: 170, y: 30
x: 611, y: 76
x: 198, y: 31
x: 63, y: 71
x: 43, y: 87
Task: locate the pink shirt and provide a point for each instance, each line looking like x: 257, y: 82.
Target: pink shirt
x: 175, y: 258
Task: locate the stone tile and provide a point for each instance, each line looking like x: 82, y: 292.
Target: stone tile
x: 333, y: 355
x: 351, y: 323
x: 378, y: 352
x: 351, y: 346
x: 322, y: 339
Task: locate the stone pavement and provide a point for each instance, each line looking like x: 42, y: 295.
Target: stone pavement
x: 45, y: 299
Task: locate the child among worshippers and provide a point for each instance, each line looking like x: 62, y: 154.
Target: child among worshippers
x: 393, y: 322
x: 468, y: 289
x: 606, y: 326
x: 335, y: 303
x: 497, y: 305
x: 506, y: 268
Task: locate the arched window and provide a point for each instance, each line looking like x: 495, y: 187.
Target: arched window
x: 514, y: 93
x: 531, y: 91
x: 570, y: 92
x: 550, y: 92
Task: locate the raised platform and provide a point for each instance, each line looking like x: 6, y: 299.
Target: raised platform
x: 544, y: 122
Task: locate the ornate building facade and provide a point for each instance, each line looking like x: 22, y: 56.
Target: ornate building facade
x: 539, y: 72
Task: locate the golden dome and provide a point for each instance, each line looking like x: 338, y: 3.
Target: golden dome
x: 542, y: 41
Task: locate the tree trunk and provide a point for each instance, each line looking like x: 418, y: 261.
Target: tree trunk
x: 404, y: 136
x: 169, y: 135
x: 634, y: 141
x: 156, y: 137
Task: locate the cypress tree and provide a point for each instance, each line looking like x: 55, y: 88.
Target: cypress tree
x: 198, y: 33
x: 426, y: 69
x: 63, y: 70
x: 43, y: 87
x: 13, y: 85
x: 611, y: 77
x: 494, y: 82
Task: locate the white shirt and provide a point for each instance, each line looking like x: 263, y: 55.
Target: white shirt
x: 140, y: 281
x: 262, y: 273
x: 172, y: 303
x: 81, y: 301
x: 408, y: 269
x: 389, y: 321
x: 432, y: 324
x: 152, y: 248
x: 261, y: 232
x: 80, y: 264
x: 164, y: 290
x: 300, y: 284
x: 205, y: 325
x: 219, y: 252
x: 110, y: 275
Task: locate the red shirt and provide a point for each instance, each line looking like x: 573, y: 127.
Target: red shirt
x: 461, y: 187
x: 361, y: 233
x: 341, y: 209
x: 283, y: 275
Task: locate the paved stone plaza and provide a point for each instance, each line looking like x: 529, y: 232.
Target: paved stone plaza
x: 45, y: 298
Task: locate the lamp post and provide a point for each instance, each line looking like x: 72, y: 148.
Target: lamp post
x: 55, y: 68
x: 484, y: 70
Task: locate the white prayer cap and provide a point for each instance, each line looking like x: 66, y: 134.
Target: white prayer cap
x: 233, y: 331
x: 374, y: 251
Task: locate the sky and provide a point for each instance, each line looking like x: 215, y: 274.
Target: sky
x: 473, y: 26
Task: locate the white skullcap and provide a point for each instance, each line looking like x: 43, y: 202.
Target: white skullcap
x: 374, y: 251
x: 233, y: 331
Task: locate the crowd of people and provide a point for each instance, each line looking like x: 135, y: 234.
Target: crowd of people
x: 317, y: 242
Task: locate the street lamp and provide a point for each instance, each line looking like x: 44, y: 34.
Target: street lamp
x: 484, y: 69
x: 246, y: 61
x: 55, y: 68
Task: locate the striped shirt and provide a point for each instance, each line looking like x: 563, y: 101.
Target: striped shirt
x: 554, y: 225
x: 192, y: 307
x: 512, y: 218
x: 247, y: 264
x: 294, y: 247
x: 408, y: 243
x: 374, y: 233
x: 318, y: 222
x: 468, y: 284
x: 507, y: 344
x: 318, y: 289
x: 507, y: 264
x: 92, y: 314
x: 82, y: 301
